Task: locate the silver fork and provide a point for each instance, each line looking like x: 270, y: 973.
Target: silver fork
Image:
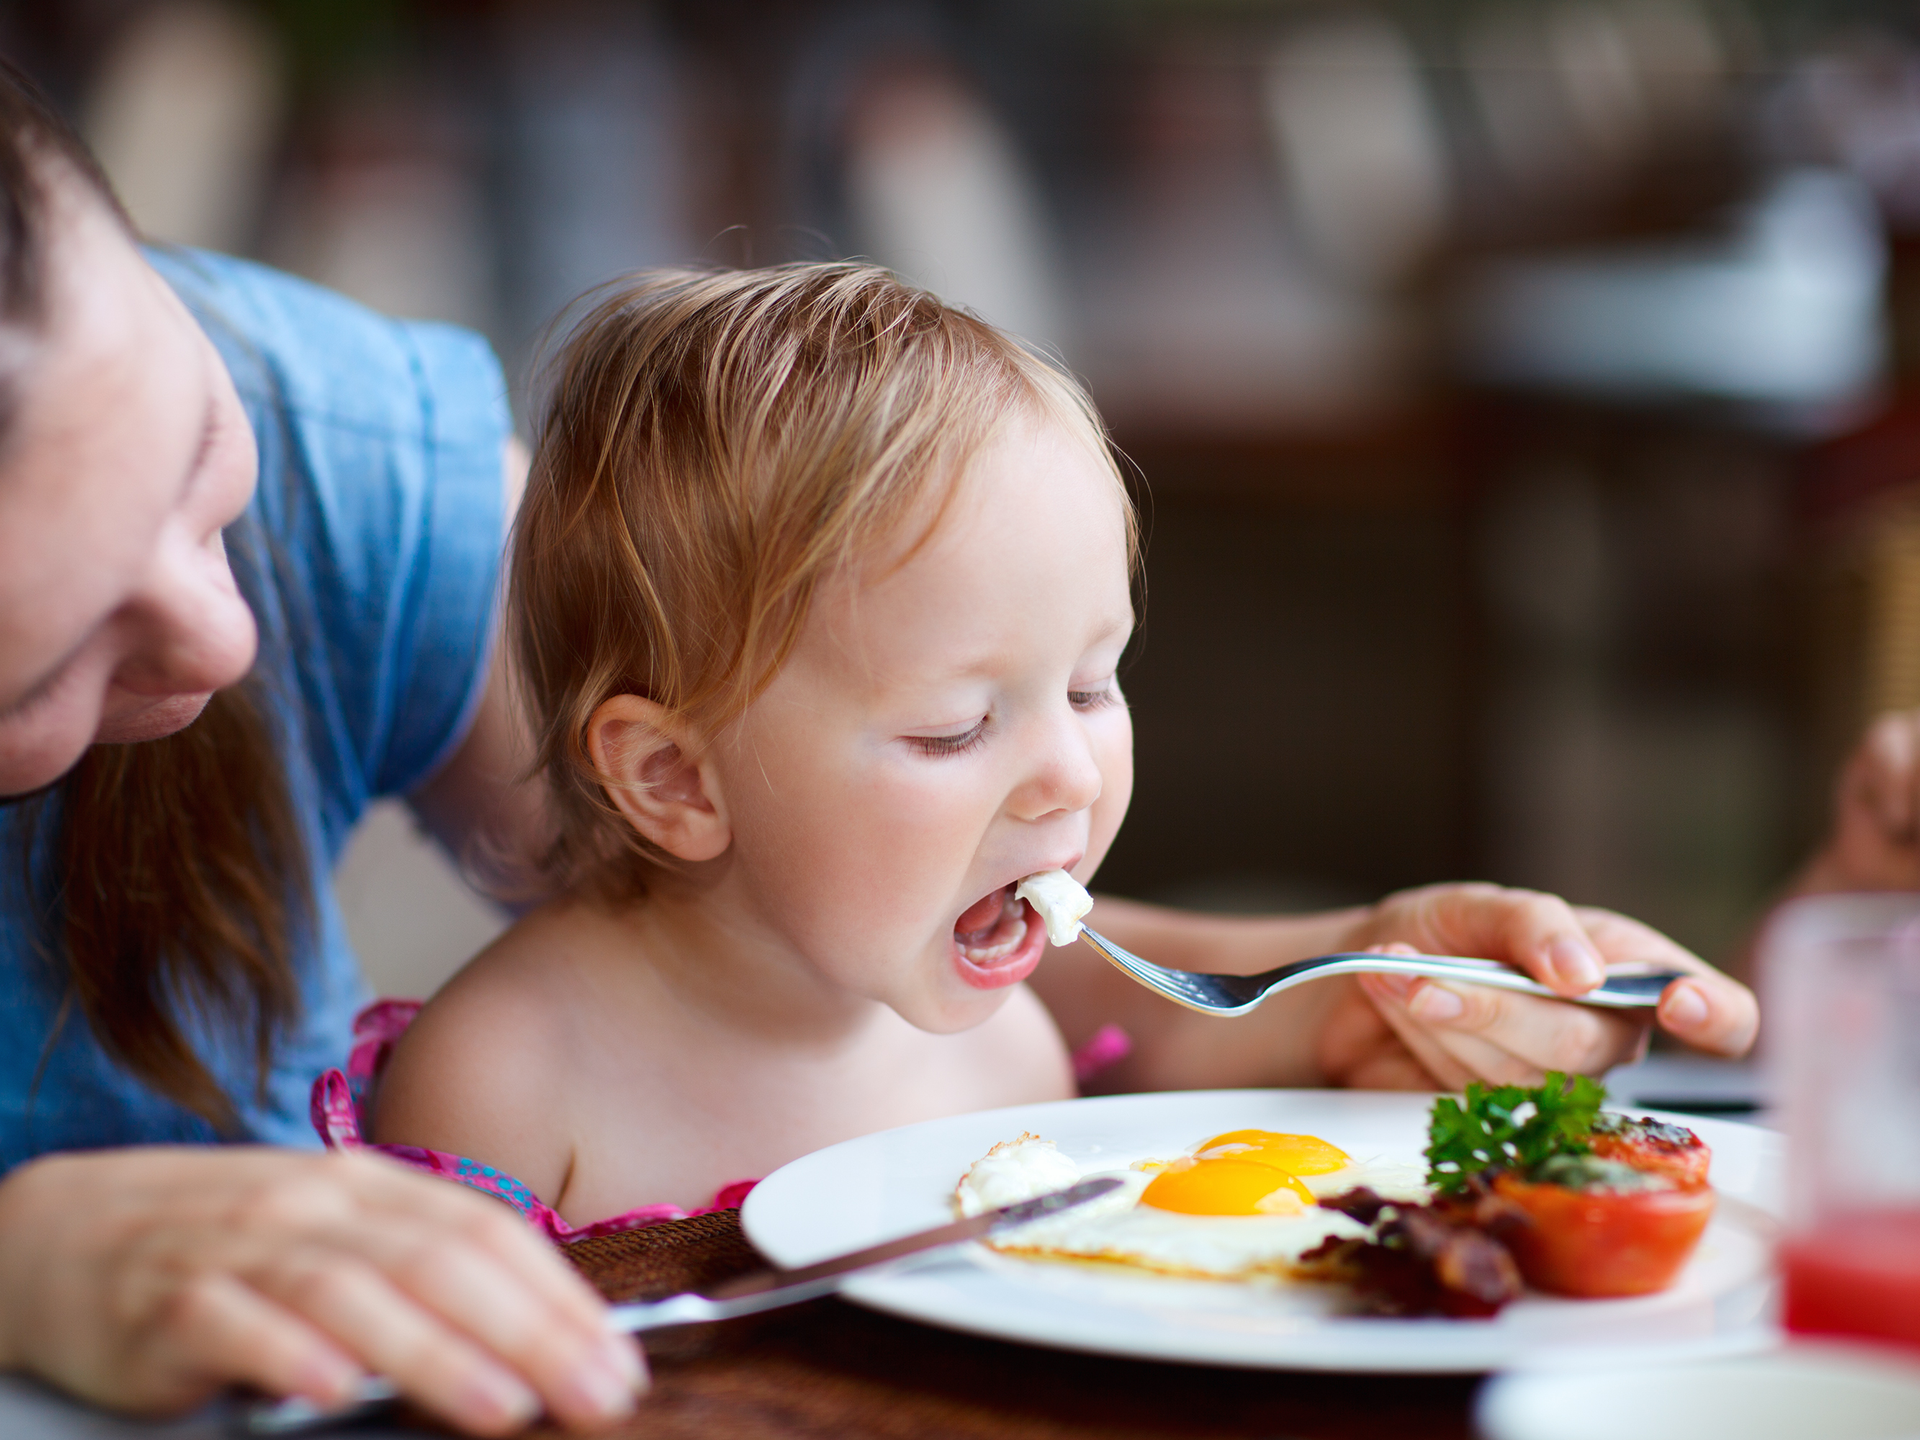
x: 1624, y: 989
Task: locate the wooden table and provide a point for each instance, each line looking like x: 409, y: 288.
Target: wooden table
x: 830, y: 1370
x: 833, y: 1369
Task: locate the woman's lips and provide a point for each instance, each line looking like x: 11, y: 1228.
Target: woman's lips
x: 997, y: 941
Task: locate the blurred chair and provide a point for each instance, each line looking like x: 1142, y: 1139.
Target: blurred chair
x: 599, y: 159
x: 1361, y: 146
x: 1861, y: 512
x: 184, y: 114
x: 937, y: 190
x: 386, y: 206
x: 1892, y: 642
x: 1785, y: 314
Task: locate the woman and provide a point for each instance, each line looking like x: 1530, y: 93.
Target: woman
x: 248, y: 542
x: 134, y: 431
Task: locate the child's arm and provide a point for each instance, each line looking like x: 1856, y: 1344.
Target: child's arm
x: 1384, y: 1032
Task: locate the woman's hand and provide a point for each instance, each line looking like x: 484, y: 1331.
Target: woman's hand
x: 1401, y: 1032
x: 149, y: 1279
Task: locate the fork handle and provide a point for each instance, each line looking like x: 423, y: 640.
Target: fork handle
x: 1621, y: 990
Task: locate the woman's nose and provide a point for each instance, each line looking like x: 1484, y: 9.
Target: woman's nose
x: 192, y: 630
x: 1066, y: 776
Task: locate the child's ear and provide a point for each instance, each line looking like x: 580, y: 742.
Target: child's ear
x: 659, y: 778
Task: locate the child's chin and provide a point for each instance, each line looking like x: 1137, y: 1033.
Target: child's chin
x: 955, y: 1011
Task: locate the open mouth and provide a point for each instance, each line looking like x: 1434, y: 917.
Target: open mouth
x: 997, y: 940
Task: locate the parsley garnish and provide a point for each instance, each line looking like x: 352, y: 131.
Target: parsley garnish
x: 1509, y: 1127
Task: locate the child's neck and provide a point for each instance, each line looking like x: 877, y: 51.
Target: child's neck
x: 715, y: 960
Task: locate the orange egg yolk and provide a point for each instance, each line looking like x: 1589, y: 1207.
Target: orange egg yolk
x: 1295, y: 1154
x: 1226, y: 1186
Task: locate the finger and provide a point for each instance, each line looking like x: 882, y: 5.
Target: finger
x: 1883, y: 780
x: 216, y: 1331
x: 1539, y: 1033
x: 1462, y: 1055
x: 1622, y: 940
x: 587, y: 1376
x: 476, y: 1270
x: 1904, y: 822
x: 410, y: 1196
x: 1351, y: 1033
x: 1358, y: 1049
x: 1389, y: 995
x: 1391, y: 1068
x: 1537, y: 932
x: 1711, y: 1012
x: 1469, y: 1033
x: 388, y: 1333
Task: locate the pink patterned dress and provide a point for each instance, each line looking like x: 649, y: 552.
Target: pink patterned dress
x: 340, y: 1099
x: 339, y: 1114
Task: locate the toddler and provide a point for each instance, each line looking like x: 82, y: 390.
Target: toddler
x: 817, y: 594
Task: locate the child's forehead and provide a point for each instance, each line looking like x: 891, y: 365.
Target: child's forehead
x: 1023, y: 468
x: 1028, y: 545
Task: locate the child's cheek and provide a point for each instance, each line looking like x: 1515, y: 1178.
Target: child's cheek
x: 1116, y: 792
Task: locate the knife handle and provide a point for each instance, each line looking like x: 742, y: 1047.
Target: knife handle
x: 692, y: 1309
x: 637, y: 1317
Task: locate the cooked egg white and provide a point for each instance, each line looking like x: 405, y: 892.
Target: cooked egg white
x: 1012, y: 1171
x: 1239, y: 1206
x: 1059, y: 900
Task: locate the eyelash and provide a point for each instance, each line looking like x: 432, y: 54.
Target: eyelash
x: 1093, y: 699
x: 945, y: 745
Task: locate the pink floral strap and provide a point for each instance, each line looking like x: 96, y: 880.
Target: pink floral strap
x: 338, y: 1108
x: 1109, y: 1046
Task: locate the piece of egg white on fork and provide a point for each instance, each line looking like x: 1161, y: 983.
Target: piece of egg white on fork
x: 1059, y: 900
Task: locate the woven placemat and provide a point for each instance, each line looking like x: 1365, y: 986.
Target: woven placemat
x: 830, y: 1370
x: 662, y: 1260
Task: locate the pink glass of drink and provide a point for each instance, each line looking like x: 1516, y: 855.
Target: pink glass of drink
x: 1842, y: 990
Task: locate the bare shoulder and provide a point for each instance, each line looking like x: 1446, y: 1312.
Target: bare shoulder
x: 482, y: 1070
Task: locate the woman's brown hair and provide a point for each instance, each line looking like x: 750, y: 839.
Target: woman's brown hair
x: 171, y: 875
x: 716, y: 444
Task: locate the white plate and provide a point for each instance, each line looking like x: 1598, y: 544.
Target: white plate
x: 1826, y: 1391
x: 880, y: 1186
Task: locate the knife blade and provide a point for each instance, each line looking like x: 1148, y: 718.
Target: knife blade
x: 747, y: 1295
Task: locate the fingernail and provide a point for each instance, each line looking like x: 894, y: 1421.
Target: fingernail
x: 1685, y: 1008
x: 603, y: 1391
x: 1575, y: 964
x: 499, y: 1401
x: 1395, y: 986
x: 1437, y: 1003
x: 624, y: 1356
x: 328, y: 1379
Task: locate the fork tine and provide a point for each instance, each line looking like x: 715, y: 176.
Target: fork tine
x: 1183, y: 987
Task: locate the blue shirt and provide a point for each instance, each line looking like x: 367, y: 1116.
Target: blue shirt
x: 375, y: 538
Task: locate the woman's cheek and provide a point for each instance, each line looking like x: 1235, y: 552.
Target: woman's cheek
x: 40, y: 747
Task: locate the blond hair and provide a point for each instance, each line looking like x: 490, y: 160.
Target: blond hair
x: 715, y: 445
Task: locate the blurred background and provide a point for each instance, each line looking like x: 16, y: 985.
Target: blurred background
x: 1521, y: 394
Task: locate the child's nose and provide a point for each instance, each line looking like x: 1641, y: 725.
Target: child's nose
x: 1066, y: 776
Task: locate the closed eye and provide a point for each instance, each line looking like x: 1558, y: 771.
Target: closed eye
x: 39, y: 693
x: 950, y: 744
x: 1108, y: 694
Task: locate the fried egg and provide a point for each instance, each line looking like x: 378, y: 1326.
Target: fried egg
x: 1239, y: 1206
x: 1059, y: 900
